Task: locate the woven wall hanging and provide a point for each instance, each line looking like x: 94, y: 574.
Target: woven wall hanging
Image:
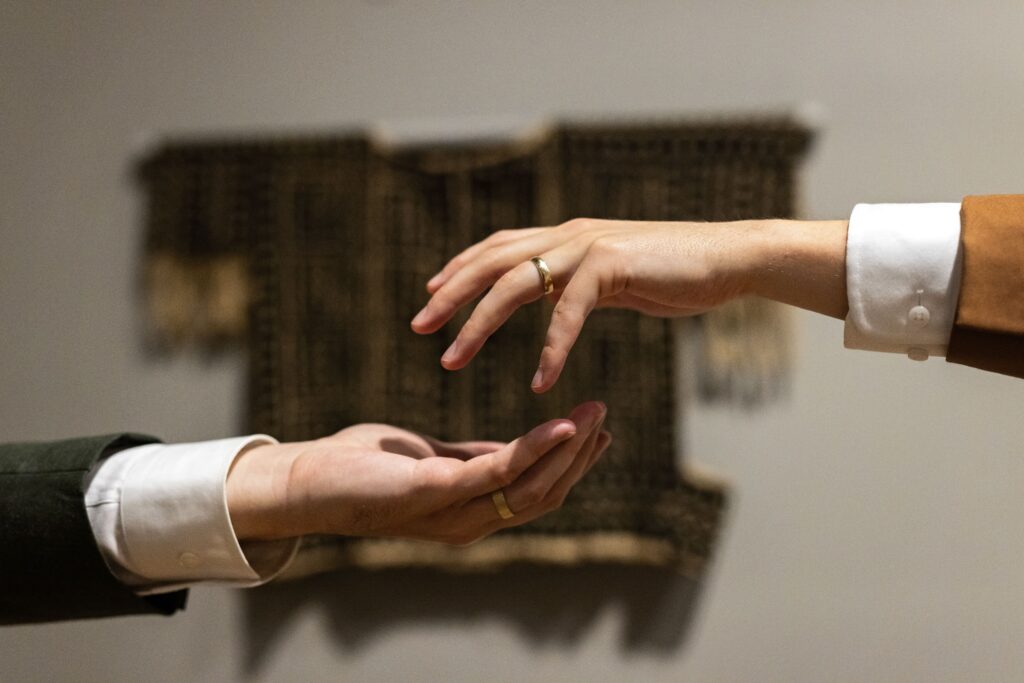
x: 314, y: 251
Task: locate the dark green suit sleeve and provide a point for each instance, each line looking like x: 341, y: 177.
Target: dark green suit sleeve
x: 50, y: 565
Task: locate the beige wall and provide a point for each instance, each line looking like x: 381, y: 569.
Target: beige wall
x: 875, y: 533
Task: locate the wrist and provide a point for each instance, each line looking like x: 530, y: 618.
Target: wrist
x: 257, y: 490
x: 758, y: 247
x: 801, y: 263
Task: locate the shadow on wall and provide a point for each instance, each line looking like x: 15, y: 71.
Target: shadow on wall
x: 545, y: 604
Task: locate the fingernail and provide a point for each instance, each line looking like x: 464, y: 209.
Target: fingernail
x: 451, y: 353
x: 564, y: 430
x: 538, y: 379
x: 420, y: 318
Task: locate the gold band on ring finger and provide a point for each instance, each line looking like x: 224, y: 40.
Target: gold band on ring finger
x: 501, y: 505
x: 545, y: 274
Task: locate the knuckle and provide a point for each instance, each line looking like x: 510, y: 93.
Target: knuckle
x: 551, y: 351
x: 442, y: 301
x: 507, y: 278
x: 470, y: 331
x: 551, y: 503
x: 492, y: 265
x: 565, y: 314
x: 461, y: 259
x: 603, y: 246
x: 488, y: 261
x: 579, y: 224
x: 524, y: 270
x: 532, y: 495
x: 504, y: 473
x: 561, y: 310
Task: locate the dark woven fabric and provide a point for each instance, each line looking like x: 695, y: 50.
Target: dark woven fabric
x: 338, y: 237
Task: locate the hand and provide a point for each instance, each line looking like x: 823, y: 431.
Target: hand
x: 661, y: 269
x: 378, y: 480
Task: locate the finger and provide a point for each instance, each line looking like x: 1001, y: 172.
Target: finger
x: 577, y: 301
x: 492, y: 471
x: 479, y: 517
x: 470, y: 253
x: 556, y: 496
x: 578, y: 465
x: 483, y: 508
x: 495, y: 523
x: 535, y: 484
x: 597, y: 442
x: 475, y: 520
x: 532, y: 483
x: 476, y: 276
x: 518, y: 287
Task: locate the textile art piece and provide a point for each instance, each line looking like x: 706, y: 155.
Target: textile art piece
x: 314, y: 251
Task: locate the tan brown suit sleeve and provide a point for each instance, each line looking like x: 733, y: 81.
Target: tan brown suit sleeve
x: 989, y: 329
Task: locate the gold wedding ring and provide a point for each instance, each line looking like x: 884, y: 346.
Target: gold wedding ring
x: 545, y: 274
x: 501, y: 505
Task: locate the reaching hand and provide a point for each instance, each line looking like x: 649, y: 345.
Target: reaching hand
x: 662, y: 269
x: 378, y: 480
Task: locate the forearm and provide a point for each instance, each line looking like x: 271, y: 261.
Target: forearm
x: 801, y: 263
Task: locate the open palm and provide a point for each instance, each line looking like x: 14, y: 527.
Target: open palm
x: 380, y: 480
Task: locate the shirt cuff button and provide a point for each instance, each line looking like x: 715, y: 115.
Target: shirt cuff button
x: 919, y: 316
x: 917, y: 353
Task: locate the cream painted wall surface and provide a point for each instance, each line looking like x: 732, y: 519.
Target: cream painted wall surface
x: 875, y: 529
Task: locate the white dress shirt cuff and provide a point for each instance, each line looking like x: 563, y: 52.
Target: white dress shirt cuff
x: 902, y: 277
x: 167, y: 505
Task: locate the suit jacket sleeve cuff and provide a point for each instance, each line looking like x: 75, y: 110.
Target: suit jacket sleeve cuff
x: 171, y: 526
x: 902, y: 277
x: 49, y: 561
x: 989, y: 328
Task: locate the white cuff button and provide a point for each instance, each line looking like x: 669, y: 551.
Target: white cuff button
x: 919, y: 316
x: 189, y: 560
x: 917, y: 353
